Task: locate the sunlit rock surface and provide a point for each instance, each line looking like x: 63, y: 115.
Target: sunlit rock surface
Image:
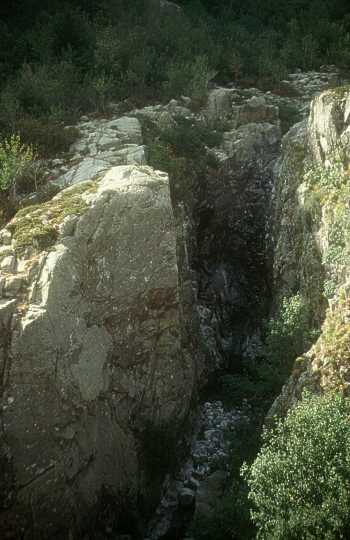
x: 96, y: 376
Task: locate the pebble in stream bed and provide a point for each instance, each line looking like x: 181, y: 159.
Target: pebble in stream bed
x: 203, y: 475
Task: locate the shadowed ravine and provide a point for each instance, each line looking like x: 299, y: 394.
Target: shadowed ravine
x: 127, y: 296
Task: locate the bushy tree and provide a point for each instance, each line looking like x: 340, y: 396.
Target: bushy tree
x: 300, y: 481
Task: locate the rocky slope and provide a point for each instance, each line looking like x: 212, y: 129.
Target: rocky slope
x: 123, y: 294
x: 312, y: 241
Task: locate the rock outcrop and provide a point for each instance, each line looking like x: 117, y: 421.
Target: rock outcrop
x: 313, y: 242
x: 103, y: 144
x: 118, y: 300
x: 329, y: 123
x: 230, y: 216
x: 232, y: 213
x: 97, y: 377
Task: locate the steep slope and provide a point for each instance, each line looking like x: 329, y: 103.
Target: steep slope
x: 312, y: 240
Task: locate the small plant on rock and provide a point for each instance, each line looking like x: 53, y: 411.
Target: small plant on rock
x: 15, y: 159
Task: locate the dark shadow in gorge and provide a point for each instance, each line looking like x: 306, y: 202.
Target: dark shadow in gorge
x: 232, y: 262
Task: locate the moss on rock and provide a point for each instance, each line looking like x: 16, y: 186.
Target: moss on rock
x: 38, y: 225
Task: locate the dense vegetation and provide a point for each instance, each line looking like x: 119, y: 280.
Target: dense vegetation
x: 59, y: 59
x: 298, y: 487
x: 300, y: 481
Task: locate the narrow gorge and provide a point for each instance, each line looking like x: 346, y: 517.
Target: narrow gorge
x: 127, y: 296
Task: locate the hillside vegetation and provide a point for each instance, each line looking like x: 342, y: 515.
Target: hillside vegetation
x: 60, y: 59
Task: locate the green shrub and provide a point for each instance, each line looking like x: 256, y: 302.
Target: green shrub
x: 243, y: 385
x: 329, y: 288
x: 48, y: 136
x: 180, y: 149
x: 100, y: 90
x: 17, y: 168
x: 189, y: 79
x: 285, y: 333
x: 300, y: 481
x: 286, y: 336
x: 289, y: 115
x: 32, y: 179
x: 9, y: 111
x: 188, y: 138
x: 72, y: 32
x: 15, y: 158
x: 259, y: 382
x: 108, y: 57
x: 48, y: 90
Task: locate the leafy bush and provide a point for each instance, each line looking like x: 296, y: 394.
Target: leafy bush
x: 108, y: 50
x: 188, y: 138
x: 286, y: 333
x: 329, y: 288
x: 9, y: 111
x: 33, y: 179
x: 300, y: 481
x: 181, y: 149
x: 287, y: 336
x: 73, y: 32
x: 15, y: 159
x: 289, y: 115
x: 49, y: 137
x: 16, y: 170
x: 189, y: 79
x: 52, y: 90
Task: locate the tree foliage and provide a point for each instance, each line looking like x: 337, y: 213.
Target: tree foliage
x: 300, y: 481
x: 141, y: 52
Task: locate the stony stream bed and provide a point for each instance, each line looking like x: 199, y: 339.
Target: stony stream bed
x: 203, y: 477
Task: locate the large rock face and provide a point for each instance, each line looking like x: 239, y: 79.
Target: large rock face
x: 96, y: 378
x: 233, y: 215
x: 312, y: 241
x: 230, y: 215
x: 329, y: 122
